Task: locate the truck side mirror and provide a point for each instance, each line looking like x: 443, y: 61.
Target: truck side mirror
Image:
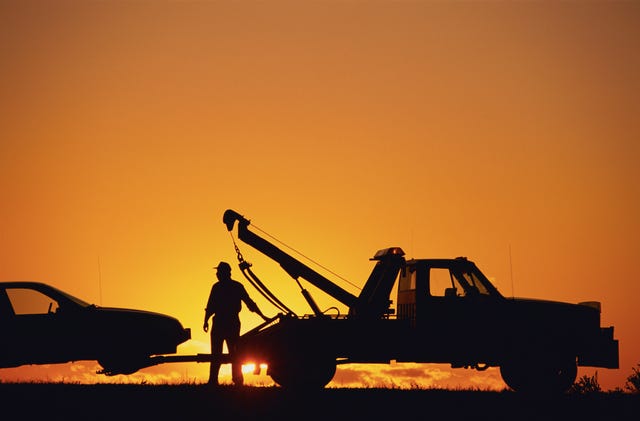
x: 450, y: 292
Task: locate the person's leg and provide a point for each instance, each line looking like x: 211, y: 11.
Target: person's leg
x: 236, y: 367
x: 216, y: 352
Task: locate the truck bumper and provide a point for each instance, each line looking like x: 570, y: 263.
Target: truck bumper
x: 602, y: 351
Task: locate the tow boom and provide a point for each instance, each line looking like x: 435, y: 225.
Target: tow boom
x: 292, y: 266
x: 373, y: 301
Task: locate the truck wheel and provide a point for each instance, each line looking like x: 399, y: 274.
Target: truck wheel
x: 543, y: 377
x: 303, y: 374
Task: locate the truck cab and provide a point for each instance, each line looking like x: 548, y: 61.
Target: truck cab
x: 459, y: 317
x: 453, y: 308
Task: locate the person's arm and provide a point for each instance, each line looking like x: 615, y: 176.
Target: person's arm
x: 208, y: 312
x: 205, y: 325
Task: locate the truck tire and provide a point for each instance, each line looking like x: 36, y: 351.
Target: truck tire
x: 303, y: 373
x: 548, y: 376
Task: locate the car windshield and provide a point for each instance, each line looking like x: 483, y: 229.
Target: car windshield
x: 70, y: 297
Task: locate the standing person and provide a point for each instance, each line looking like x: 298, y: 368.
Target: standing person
x: 224, y: 304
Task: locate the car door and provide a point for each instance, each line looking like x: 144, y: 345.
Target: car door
x: 8, y: 352
x: 37, y: 335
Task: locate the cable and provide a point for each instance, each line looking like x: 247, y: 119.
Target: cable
x: 306, y: 257
x: 260, y: 286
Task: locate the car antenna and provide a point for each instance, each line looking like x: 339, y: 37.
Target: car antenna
x: 99, y: 281
x: 513, y: 294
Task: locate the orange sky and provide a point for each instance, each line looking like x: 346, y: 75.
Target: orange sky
x: 341, y: 127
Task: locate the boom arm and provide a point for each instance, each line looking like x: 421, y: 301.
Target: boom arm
x: 292, y: 266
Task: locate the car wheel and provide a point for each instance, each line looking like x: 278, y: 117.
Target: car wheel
x: 117, y: 364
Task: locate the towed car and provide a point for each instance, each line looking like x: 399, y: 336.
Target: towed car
x: 40, y: 324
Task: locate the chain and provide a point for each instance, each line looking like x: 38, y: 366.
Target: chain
x: 238, y: 253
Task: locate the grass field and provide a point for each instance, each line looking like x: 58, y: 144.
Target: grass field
x: 43, y: 401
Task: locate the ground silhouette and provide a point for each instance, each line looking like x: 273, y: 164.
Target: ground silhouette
x: 35, y: 401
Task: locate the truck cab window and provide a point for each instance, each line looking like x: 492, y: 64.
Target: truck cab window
x: 442, y: 283
x: 407, y: 280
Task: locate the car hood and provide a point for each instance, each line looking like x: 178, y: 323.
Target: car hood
x: 140, y: 321
x: 132, y: 312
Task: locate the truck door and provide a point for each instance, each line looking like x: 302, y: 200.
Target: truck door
x: 455, y: 315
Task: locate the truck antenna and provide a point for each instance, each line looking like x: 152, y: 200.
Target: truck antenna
x: 511, y: 270
x: 99, y: 280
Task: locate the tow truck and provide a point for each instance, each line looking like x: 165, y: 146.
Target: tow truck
x: 447, y: 312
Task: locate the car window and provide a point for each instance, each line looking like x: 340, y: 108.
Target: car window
x: 29, y: 301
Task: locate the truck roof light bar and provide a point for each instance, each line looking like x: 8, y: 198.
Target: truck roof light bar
x: 391, y: 251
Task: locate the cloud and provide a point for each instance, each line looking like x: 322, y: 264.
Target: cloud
x: 400, y: 375
x: 193, y: 346
x: 411, y: 375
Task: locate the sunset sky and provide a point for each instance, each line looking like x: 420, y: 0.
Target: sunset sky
x: 507, y: 132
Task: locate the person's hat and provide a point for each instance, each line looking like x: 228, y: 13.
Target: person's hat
x: 223, y: 266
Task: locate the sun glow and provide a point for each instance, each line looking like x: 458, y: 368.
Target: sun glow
x: 252, y: 368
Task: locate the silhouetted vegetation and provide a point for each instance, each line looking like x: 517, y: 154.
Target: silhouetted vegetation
x: 122, y: 402
x: 586, y: 385
x: 633, y: 381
